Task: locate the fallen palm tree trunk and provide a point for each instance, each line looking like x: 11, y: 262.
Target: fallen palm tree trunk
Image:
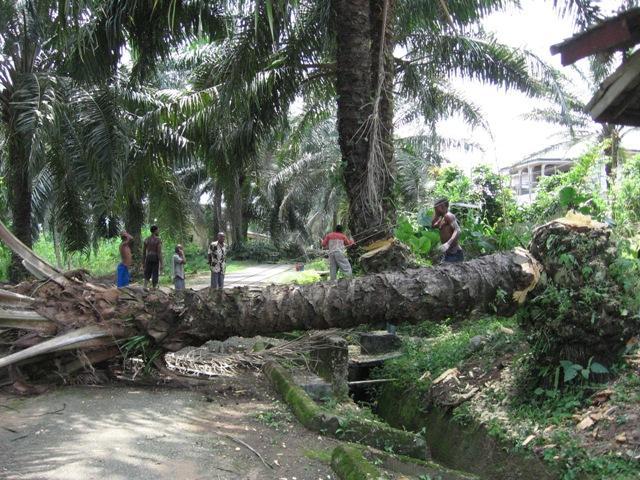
x: 495, y: 283
x: 192, y: 318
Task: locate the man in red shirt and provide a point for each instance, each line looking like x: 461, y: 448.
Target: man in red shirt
x: 337, y: 242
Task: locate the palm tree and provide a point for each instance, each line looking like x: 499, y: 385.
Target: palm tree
x: 321, y: 51
x: 45, y: 43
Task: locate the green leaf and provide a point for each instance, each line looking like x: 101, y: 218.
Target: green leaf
x: 599, y: 368
x: 567, y: 196
x: 269, y: 7
x: 569, y: 374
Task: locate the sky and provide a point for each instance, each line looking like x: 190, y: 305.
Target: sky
x: 536, y: 26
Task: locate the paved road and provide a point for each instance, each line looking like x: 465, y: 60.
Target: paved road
x: 254, y: 276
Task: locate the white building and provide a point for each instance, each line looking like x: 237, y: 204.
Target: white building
x: 526, y: 174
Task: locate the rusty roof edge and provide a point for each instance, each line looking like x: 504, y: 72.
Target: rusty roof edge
x: 631, y: 13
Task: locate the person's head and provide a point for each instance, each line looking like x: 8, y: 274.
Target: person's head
x: 178, y: 248
x: 339, y: 228
x: 124, y: 235
x: 441, y: 206
x: 220, y: 237
x: 154, y: 230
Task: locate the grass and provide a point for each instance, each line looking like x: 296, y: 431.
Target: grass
x: 104, y: 260
x: 446, y: 346
x: 506, y: 418
x: 310, y: 274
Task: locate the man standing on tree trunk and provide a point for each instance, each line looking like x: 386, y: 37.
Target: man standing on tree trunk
x: 152, y: 254
x: 447, y: 223
x: 217, y: 262
x: 337, y: 242
x: 123, y: 276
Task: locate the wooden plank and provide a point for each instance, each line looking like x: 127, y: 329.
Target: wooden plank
x: 616, y: 33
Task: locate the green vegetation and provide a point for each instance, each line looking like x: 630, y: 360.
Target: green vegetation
x: 447, y: 346
x: 349, y: 464
x: 313, y: 272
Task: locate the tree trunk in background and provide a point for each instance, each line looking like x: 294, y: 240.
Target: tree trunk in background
x: 353, y: 86
x: 218, y: 223
x: 368, y: 183
x: 55, y: 235
x: 611, y: 133
x: 275, y: 225
x: 385, y: 19
x: 236, y: 209
x: 134, y: 221
x: 19, y: 193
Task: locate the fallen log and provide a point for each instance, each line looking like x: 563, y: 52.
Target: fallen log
x: 496, y: 283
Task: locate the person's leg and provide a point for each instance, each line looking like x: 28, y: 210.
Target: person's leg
x: 213, y: 280
x: 221, y: 280
x: 333, y: 266
x: 343, y: 263
x: 179, y: 283
x: 120, y: 280
x: 147, y: 273
x: 126, y: 276
x: 155, y: 274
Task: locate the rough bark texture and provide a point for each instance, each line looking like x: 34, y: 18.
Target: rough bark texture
x: 353, y: 86
x: 133, y: 221
x: 236, y: 209
x: 577, y: 313
x: 382, y: 29
x: 192, y: 318
x: 20, y: 201
x: 365, y: 76
x: 218, y: 221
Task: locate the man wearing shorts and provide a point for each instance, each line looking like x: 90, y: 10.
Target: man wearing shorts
x: 123, y: 277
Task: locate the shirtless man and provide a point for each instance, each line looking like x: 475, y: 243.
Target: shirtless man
x: 152, y: 254
x: 446, y: 222
x: 123, y: 276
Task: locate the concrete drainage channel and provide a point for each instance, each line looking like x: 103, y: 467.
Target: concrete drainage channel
x: 341, y: 370
x: 365, y: 453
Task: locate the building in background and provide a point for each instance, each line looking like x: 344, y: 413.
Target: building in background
x: 525, y: 175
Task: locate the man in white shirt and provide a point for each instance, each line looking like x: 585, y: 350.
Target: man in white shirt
x: 217, y: 261
x: 178, y: 268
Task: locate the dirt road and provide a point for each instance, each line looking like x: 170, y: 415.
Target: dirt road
x: 131, y: 433
x: 253, y: 276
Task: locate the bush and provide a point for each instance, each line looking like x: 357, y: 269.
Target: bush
x: 256, y: 250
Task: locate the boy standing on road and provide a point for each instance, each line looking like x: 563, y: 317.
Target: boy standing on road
x: 123, y: 277
x: 337, y: 242
x: 178, y: 268
x: 217, y: 257
x: 446, y: 222
x: 152, y: 255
